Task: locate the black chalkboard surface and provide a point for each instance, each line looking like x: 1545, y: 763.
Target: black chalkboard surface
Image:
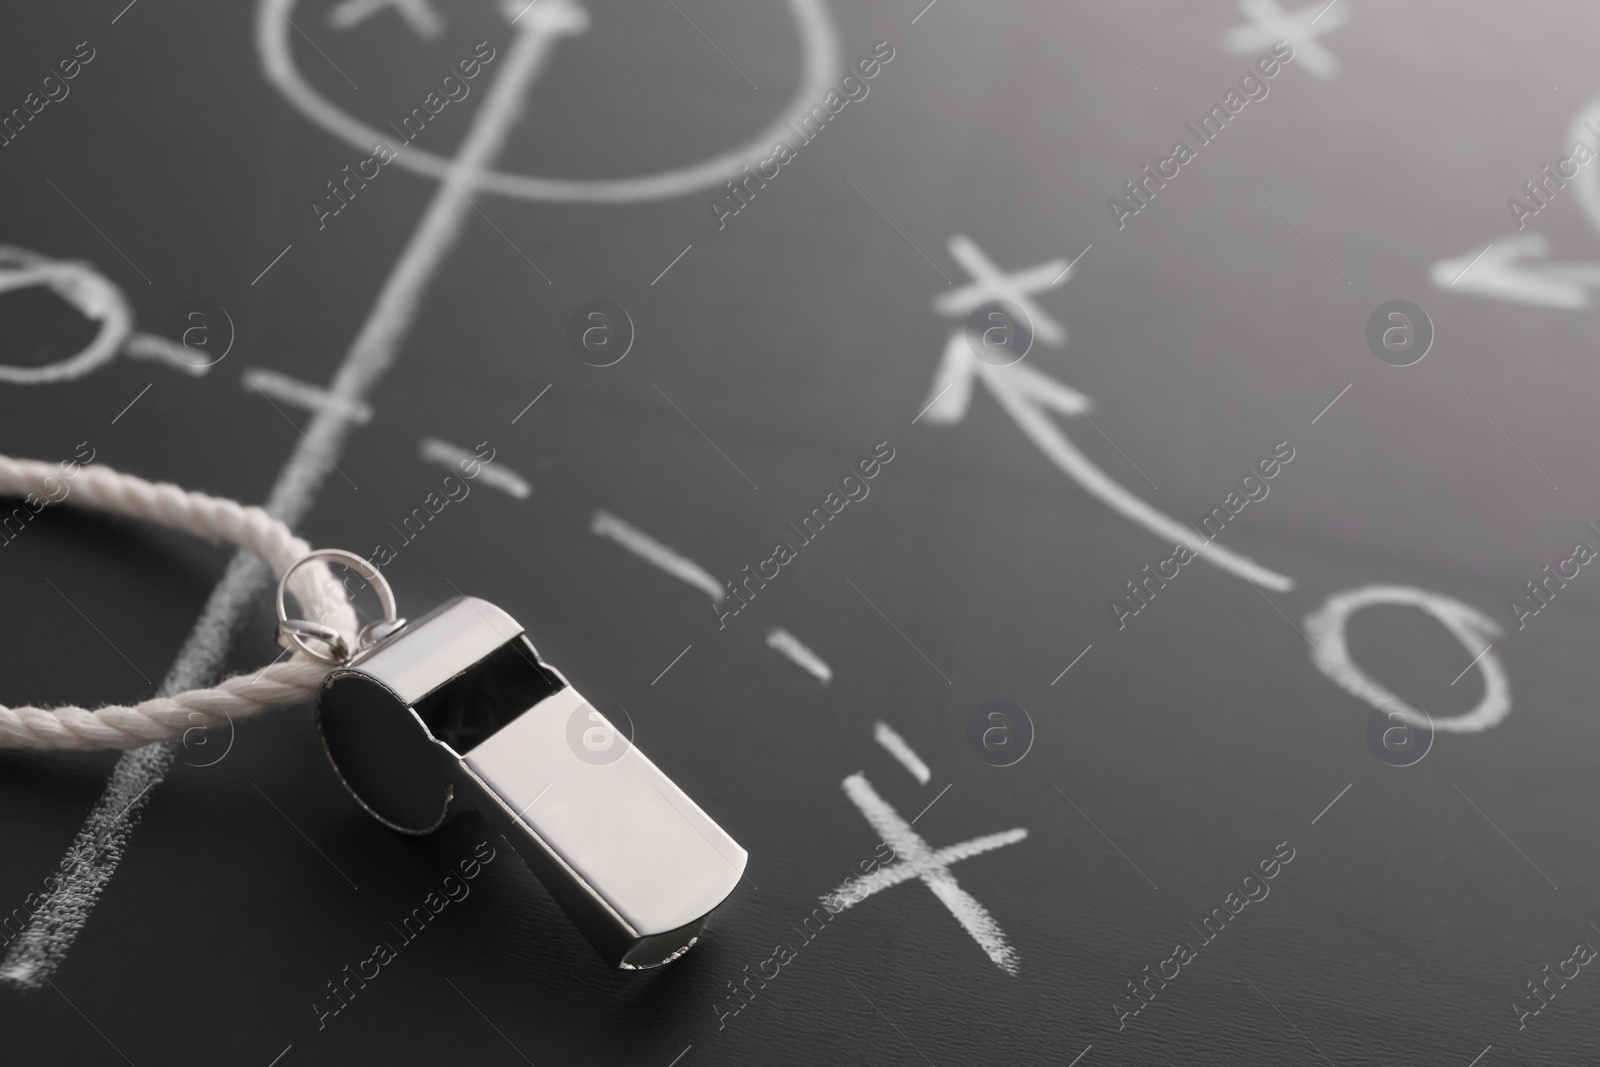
x: 1097, y: 501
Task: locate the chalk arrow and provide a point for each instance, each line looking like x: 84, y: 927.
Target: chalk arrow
x: 1028, y: 396
x: 1505, y: 271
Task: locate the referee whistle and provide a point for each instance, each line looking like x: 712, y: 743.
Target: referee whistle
x: 456, y: 710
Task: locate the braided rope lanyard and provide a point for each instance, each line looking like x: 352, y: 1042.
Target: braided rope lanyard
x: 315, y: 647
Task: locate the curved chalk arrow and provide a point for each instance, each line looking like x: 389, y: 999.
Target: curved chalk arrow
x: 1027, y: 395
x: 1505, y: 270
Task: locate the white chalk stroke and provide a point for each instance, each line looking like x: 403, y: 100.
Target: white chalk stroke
x: 99, y: 300
x: 1512, y: 268
x: 498, y: 476
x: 917, y: 860
x: 1028, y: 396
x: 1270, y: 24
x: 1325, y: 628
x: 896, y: 746
x: 102, y: 841
x: 787, y: 644
x: 647, y: 548
x: 819, y: 69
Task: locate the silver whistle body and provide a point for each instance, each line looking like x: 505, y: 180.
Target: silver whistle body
x: 456, y: 710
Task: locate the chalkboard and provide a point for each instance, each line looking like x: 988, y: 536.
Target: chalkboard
x: 1097, y: 501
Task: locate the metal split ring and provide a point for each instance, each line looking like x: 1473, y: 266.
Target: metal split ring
x: 322, y: 642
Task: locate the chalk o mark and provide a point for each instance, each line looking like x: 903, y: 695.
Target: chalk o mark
x: 1325, y: 629
x: 97, y: 298
x: 819, y: 44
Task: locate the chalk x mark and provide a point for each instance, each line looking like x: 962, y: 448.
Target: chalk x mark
x: 919, y: 861
x: 132, y: 402
x: 44, y: 943
x: 989, y: 283
x: 702, y: 433
x: 274, y: 262
x: 787, y: 644
x: 1108, y: 840
x: 647, y: 548
x: 543, y: 391
x: 673, y: 664
x: 674, y: 263
x: 1331, y: 803
x: 496, y: 476
x: 101, y: 232
x: 1073, y: 664
x: 1332, y: 402
x: 896, y: 746
x: 901, y: 632
x: 302, y: 833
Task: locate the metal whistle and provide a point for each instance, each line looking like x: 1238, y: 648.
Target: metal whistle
x: 456, y: 710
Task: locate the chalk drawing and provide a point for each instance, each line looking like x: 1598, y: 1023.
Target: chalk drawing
x: 303, y: 394
x: 1027, y: 395
x: 647, y: 548
x: 1325, y: 629
x: 1270, y: 24
x: 99, y: 300
x: 102, y: 841
x: 896, y: 745
x: 990, y: 283
x: 1509, y: 269
x: 789, y: 645
x: 918, y: 860
x: 424, y: 21
x: 497, y: 475
x: 820, y: 68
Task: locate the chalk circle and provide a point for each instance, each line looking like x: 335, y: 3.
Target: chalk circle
x: 600, y: 332
x: 999, y: 332
x: 92, y: 294
x: 197, y: 738
x: 820, y: 69
x: 203, y: 329
x: 1000, y: 732
x: 1399, y: 333
x: 599, y: 733
x: 1330, y: 651
x: 1395, y: 740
